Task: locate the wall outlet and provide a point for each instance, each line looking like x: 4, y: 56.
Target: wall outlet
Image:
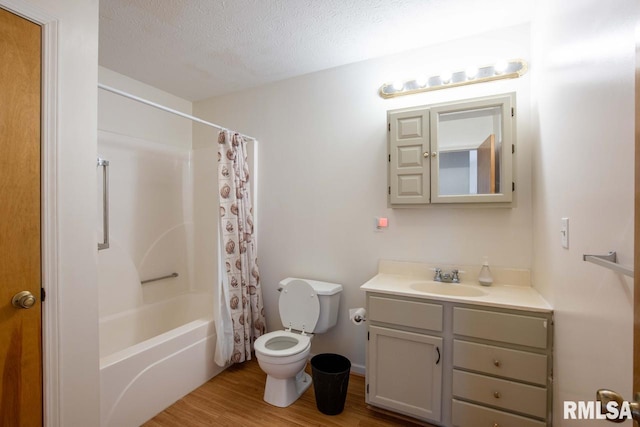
x: 564, y: 232
x: 382, y: 223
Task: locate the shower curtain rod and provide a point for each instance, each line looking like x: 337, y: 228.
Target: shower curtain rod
x: 163, y: 108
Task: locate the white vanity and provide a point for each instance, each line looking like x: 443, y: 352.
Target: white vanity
x: 459, y: 354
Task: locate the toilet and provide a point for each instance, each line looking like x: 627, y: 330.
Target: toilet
x: 307, y: 307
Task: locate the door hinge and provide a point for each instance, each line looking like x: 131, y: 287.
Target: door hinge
x: 513, y: 112
x: 389, y: 190
x: 367, y: 388
x: 513, y: 186
x: 513, y: 148
x: 389, y: 158
x: 367, y: 336
x: 389, y: 127
x: 43, y: 294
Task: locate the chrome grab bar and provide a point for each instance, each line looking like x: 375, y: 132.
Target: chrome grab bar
x: 169, y: 276
x: 105, y: 203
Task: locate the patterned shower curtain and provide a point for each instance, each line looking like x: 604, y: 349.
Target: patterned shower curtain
x: 240, y: 318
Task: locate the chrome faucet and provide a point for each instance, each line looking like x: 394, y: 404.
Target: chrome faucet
x: 452, y: 277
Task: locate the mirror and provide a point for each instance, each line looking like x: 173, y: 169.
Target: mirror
x: 472, y: 144
x: 469, y: 147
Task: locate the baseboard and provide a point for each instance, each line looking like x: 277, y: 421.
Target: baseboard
x: 358, y: 369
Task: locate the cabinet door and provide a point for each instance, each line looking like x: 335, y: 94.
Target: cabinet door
x: 409, y: 163
x: 404, y: 372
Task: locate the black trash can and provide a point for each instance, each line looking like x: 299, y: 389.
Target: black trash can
x: 330, y: 373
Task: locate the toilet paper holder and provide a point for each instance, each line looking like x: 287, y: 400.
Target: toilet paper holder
x: 357, y: 315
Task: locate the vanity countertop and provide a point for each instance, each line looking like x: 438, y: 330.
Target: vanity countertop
x: 396, y: 278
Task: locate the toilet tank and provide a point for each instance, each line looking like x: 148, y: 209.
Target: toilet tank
x: 329, y: 298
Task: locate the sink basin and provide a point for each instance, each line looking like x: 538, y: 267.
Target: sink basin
x: 449, y: 289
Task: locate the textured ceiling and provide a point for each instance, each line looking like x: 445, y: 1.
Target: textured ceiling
x: 201, y: 48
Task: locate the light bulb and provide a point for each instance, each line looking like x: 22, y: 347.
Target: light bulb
x: 445, y: 76
x: 421, y: 81
x: 397, y: 85
x: 471, y: 72
x: 500, y: 67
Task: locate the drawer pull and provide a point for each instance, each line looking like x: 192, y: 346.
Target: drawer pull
x: 438, y: 349
x: 497, y: 363
x: 496, y: 394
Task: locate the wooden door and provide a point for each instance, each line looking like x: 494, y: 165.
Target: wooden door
x: 20, y: 259
x: 487, y: 166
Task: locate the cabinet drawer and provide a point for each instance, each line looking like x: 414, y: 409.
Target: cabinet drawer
x: 469, y: 415
x: 406, y: 313
x: 504, y: 362
x: 505, y: 394
x: 511, y: 328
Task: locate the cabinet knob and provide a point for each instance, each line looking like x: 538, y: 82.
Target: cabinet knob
x: 497, y: 363
x: 496, y: 394
x: 433, y: 154
x: 425, y: 154
x: 496, y: 425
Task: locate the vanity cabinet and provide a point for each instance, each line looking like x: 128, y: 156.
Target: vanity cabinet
x: 459, y: 364
x: 404, y: 362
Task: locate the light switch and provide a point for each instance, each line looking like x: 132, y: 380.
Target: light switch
x: 564, y: 232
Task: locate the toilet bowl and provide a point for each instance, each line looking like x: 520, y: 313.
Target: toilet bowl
x: 283, y: 355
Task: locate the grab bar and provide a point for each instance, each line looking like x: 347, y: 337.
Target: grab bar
x: 159, y: 278
x: 609, y: 261
x: 105, y: 203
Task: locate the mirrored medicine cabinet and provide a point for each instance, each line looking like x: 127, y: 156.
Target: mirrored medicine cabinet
x: 457, y: 152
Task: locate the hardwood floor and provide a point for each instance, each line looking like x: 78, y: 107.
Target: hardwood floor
x: 234, y: 398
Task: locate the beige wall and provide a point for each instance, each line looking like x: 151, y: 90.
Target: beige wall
x: 322, y: 177
x: 76, y: 296
x: 583, y: 69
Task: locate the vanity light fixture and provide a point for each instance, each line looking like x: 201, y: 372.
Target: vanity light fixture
x: 510, y: 69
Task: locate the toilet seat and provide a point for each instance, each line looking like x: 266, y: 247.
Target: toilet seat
x: 281, y: 343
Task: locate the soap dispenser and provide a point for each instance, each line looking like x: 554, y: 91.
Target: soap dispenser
x: 484, y: 277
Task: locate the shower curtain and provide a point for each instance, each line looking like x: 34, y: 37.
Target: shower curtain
x: 240, y: 319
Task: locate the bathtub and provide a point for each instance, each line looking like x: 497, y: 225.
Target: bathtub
x: 152, y: 356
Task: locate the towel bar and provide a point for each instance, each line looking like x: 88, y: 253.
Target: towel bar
x: 609, y: 261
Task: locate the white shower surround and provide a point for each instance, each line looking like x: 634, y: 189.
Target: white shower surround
x: 151, y: 223
x: 157, y: 340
